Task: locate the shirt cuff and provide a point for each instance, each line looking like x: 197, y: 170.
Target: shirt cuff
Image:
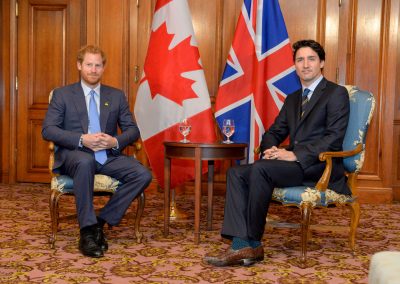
x: 80, y: 145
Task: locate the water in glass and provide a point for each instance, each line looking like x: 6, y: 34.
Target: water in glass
x: 228, y: 128
x: 184, y: 129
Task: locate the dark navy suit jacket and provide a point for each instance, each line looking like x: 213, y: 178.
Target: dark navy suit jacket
x: 67, y: 119
x: 322, y: 128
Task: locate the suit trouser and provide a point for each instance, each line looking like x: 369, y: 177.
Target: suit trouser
x: 82, y: 167
x: 248, y: 194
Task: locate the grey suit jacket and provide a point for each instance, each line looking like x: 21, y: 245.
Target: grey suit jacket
x: 322, y: 128
x: 67, y: 119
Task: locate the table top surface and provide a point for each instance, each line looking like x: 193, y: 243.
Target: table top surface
x: 204, y: 145
x: 206, y: 151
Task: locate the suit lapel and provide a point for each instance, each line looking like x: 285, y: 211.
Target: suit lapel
x: 298, y: 108
x: 105, y: 107
x: 80, y: 105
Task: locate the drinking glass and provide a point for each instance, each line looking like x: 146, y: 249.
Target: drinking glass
x: 228, y: 128
x: 184, y: 129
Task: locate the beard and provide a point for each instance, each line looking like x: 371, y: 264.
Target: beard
x: 91, y: 79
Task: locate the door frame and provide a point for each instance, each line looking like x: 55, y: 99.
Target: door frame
x: 8, y: 86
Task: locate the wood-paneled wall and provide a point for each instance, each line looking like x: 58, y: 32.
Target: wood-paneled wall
x: 396, y: 120
x: 360, y: 38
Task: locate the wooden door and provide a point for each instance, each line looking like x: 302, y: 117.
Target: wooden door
x: 49, y: 35
x: 116, y: 30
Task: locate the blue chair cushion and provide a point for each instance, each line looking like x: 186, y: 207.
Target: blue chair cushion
x: 102, y: 183
x: 298, y: 194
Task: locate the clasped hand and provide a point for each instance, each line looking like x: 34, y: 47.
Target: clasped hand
x: 275, y: 153
x: 99, y: 141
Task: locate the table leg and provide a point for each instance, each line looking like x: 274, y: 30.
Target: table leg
x: 167, y: 178
x: 210, y: 187
x: 197, y: 195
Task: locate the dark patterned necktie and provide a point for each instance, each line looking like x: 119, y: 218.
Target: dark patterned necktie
x: 304, y: 100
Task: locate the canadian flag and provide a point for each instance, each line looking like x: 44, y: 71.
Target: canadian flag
x: 173, y: 87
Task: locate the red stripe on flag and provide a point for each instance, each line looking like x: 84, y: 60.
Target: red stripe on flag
x: 253, y: 16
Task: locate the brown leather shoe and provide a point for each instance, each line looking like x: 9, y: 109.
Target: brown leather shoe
x: 246, y: 256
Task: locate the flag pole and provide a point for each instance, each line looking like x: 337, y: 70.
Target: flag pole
x: 175, y: 212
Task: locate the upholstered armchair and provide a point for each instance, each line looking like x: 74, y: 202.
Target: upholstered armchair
x: 362, y: 106
x: 103, y: 185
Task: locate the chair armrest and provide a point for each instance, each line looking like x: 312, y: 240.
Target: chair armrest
x: 341, y: 154
x: 322, y: 184
x: 138, y: 146
x: 51, y: 157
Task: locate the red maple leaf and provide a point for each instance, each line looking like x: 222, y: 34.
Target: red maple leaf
x: 163, y: 67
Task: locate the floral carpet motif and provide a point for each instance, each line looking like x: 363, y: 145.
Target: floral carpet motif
x: 25, y: 255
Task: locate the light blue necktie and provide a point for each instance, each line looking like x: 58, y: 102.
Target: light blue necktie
x: 94, y: 126
x: 304, y: 100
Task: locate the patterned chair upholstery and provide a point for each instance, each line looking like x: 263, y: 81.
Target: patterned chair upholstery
x: 362, y: 106
x: 103, y: 185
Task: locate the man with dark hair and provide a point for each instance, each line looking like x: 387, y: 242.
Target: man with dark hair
x: 315, y: 119
x: 82, y: 120
x: 311, y: 44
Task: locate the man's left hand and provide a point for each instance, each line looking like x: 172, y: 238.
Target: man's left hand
x: 106, y: 142
x: 275, y: 153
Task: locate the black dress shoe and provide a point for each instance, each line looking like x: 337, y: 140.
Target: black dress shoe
x: 100, y: 239
x: 246, y: 256
x: 88, y: 245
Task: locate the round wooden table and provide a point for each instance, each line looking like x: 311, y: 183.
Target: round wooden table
x: 198, y: 152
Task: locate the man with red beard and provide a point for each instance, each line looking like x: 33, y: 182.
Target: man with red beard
x: 82, y: 120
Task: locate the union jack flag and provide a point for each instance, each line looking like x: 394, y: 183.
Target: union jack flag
x: 259, y: 73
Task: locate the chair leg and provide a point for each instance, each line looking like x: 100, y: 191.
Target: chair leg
x: 54, y: 214
x: 306, y: 209
x: 355, y: 219
x: 139, y: 212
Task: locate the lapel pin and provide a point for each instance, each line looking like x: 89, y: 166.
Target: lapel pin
x: 106, y: 104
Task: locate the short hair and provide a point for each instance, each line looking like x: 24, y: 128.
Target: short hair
x: 93, y: 49
x: 311, y: 44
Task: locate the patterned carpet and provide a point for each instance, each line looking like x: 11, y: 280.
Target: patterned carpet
x: 25, y: 256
